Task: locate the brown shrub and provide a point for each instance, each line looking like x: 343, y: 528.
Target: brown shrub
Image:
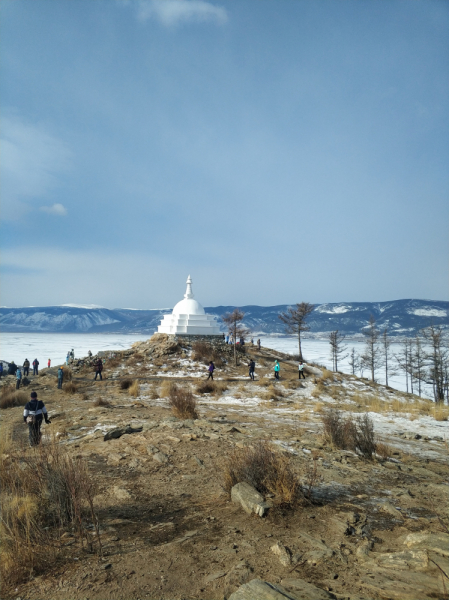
x: 384, y: 450
x: 10, y: 397
x: 266, y: 469
x: 206, y: 387
x: 68, y: 374
x: 349, y: 434
x: 45, y: 491
x: 101, y: 402
x: 182, y: 403
x: 166, y: 388
x: 273, y: 393
x: 125, y: 384
x: 69, y: 387
x: 204, y: 352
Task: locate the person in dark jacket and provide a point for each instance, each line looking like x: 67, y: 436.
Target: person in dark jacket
x: 12, y: 368
x: 211, y: 371
x: 26, y: 367
x: 252, y: 367
x: 98, y: 369
x: 33, y: 415
x: 35, y: 367
x: 60, y: 377
x: 1, y: 369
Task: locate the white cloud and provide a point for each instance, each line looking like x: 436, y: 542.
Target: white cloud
x: 55, y: 209
x: 32, y: 162
x: 174, y: 12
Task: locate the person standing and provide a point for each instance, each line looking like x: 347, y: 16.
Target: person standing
x: 18, y: 378
x: 49, y: 363
x: 33, y: 414
x: 12, y: 368
x: 67, y: 358
x: 258, y: 344
x: 301, y: 369
x: 60, y: 377
x: 227, y: 339
x: 98, y: 369
x: 89, y: 354
x: 35, y: 367
x: 252, y: 367
x: 26, y: 367
x: 1, y: 370
x: 277, y: 368
x: 211, y: 371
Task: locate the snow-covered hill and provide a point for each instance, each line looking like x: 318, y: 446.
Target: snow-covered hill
x: 403, y: 317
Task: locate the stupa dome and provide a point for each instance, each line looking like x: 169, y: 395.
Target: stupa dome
x: 189, y: 318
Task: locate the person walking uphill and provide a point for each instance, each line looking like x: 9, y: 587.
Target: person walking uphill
x: 98, y: 369
x: 33, y: 415
x: 35, y: 367
x: 60, y: 377
x: 301, y: 369
x: 252, y: 368
x: 26, y: 367
x: 277, y: 368
x: 211, y: 371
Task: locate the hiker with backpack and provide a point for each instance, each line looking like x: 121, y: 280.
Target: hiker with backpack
x: 98, y: 369
x: 35, y: 367
x: 26, y: 367
x: 33, y: 415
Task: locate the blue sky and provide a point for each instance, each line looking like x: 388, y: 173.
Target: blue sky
x: 276, y: 151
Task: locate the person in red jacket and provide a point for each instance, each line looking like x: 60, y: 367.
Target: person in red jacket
x: 98, y: 369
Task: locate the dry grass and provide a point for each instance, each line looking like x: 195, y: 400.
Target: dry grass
x: 69, y: 387
x: 440, y: 412
x: 273, y: 392
x: 327, y: 376
x: 266, y: 469
x: 10, y: 397
x: 384, y: 450
x: 205, y: 387
x: 45, y: 492
x: 134, y: 389
x: 165, y: 388
x: 182, y: 403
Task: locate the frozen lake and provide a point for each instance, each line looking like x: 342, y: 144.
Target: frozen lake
x: 18, y: 346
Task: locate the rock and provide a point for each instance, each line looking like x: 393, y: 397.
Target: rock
x: 284, y: 554
x: 363, y: 550
x: 390, y: 509
x: 411, y: 559
x: 249, y: 498
x: 152, y: 449
x: 436, y: 542
x: 113, y: 434
x: 314, y: 557
x: 306, y: 591
x: 121, y: 493
x: 160, y: 457
x: 214, y: 576
x: 239, y: 574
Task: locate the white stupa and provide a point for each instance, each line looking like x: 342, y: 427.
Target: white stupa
x: 188, y: 318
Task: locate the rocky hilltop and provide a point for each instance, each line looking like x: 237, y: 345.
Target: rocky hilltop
x: 315, y: 517
x: 403, y: 318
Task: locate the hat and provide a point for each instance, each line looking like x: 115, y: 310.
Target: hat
x: 33, y: 394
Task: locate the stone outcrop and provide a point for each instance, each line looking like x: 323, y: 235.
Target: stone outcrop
x: 249, y: 498
x: 262, y: 590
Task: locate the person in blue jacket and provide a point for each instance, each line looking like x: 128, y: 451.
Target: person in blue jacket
x: 277, y: 368
x: 18, y: 378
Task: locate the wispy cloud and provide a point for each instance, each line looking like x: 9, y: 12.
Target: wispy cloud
x: 55, y: 209
x: 175, y: 12
x: 32, y: 160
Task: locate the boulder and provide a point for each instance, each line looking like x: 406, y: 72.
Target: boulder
x: 249, y: 498
x: 262, y: 590
x: 116, y: 433
x: 437, y: 542
x: 408, y: 559
x: 284, y: 554
x: 160, y: 457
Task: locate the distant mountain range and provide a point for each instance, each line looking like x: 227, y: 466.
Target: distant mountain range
x: 402, y: 317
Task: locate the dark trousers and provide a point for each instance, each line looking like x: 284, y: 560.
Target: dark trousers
x: 26, y: 370
x: 17, y: 384
x: 34, y: 432
x: 210, y: 376
x: 35, y: 371
x: 98, y: 373
x: 301, y: 373
x: 59, y: 383
x: 276, y: 374
x: 251, y: 375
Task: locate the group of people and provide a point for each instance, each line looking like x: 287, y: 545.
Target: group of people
x: 229, y: 339
x: 20, y: 372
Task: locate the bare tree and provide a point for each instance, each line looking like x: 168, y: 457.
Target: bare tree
x: 387, y: 355
x: 337, y: 348
x: 295, y: 320
x: 419, y: 363
x: 437, y: 360
x: 354, y: 361
x: 371, y: 357
x: 404, y: 361
x: 236, y: 329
